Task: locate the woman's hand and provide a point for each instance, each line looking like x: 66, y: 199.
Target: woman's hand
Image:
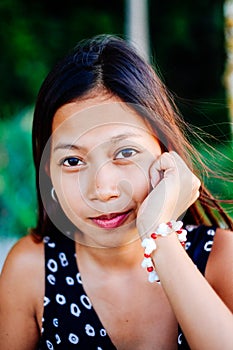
x: 175, y: 189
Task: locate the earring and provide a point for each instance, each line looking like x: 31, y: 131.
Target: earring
x: 53, y: 194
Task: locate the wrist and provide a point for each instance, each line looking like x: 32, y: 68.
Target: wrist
x: 164, y: 237
x: 164, y: 245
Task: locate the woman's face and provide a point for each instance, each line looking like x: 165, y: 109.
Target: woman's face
x: 101, y: 154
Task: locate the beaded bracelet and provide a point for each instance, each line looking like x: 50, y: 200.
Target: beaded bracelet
x: 149, y: 244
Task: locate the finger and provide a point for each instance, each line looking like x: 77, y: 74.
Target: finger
x: 155, y: 175
x: 165, y: 161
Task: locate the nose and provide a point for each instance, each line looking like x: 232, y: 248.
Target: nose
x: 104, y: 184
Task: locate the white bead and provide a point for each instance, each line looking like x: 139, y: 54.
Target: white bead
x: 182, y: 236
x: 147, y: 262
x: 145, y: 242
x: 176, y: 225
x: 149, y: 245
x: 153, y: 277
x: 163, y: 229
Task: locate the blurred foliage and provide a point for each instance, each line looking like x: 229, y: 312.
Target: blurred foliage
x: 187, y: 40
x: 17, y: 190
x: 219, y: 158
x: 187, y: 43
x: 35, y: 34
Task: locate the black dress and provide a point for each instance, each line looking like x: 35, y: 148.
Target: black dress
x: 69, y: 320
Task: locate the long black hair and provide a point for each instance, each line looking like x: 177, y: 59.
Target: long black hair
x: 111, y: 63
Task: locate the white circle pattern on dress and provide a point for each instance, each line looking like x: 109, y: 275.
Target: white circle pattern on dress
x: 63, y: 259
x: 49, y: 345
x: 199, y: 243
x: 78, y: 277
x: 60, y: 299
x: 70, y: 281
x: 73, y: 338
x: 75, y: 310
x: 52, y: 265
x: 58, y: 339
x: 46, y: 301
x: 69, y: 320
x: 103, y: 332
x: 90, y: 330
x: 55, y: 322
x: 85, y: 301
x: 68, y: 305
x: 51, y: 278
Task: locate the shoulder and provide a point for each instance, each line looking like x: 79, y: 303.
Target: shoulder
x: 21, y: 295
x: 220, y: 265
x: 26, y: 256
x: 23, y: 272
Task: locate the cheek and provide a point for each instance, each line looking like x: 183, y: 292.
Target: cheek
x: 140, y: 183
x: 69, y: 195
x: 142, y: 178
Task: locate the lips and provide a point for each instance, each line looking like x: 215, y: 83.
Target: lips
x: 112, y: 220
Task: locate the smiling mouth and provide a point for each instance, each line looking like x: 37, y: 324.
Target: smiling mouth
x: 112, y: 220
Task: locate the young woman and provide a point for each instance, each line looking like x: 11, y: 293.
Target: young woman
x: 115, y: 175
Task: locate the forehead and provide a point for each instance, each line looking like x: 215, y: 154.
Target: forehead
x: 97, y: 114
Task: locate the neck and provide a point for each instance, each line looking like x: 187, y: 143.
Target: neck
x: 112, y: 258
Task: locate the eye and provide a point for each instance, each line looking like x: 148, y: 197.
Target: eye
x: 72, y: 162
x: 126, y: 153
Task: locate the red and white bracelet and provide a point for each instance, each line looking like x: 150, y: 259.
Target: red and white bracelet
x: 149, y: 244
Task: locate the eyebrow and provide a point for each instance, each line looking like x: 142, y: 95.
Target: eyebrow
x: 66, y: 146
x: 113, y: 139
x: 117, y: 138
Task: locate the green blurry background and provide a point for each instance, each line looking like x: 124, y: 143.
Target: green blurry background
x: 187, y: 44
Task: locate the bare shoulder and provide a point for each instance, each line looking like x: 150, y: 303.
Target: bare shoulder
x: 219, y: 269
x: 23, y: 270
x: 21, y: 295
x: 26, y: 256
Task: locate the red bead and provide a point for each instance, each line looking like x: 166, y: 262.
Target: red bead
x: 147, y: 255
x: 154, y: 235
x: 150, y: 269
x: 179, y: 232
x: 182, y: 243
x: 169, y: 224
